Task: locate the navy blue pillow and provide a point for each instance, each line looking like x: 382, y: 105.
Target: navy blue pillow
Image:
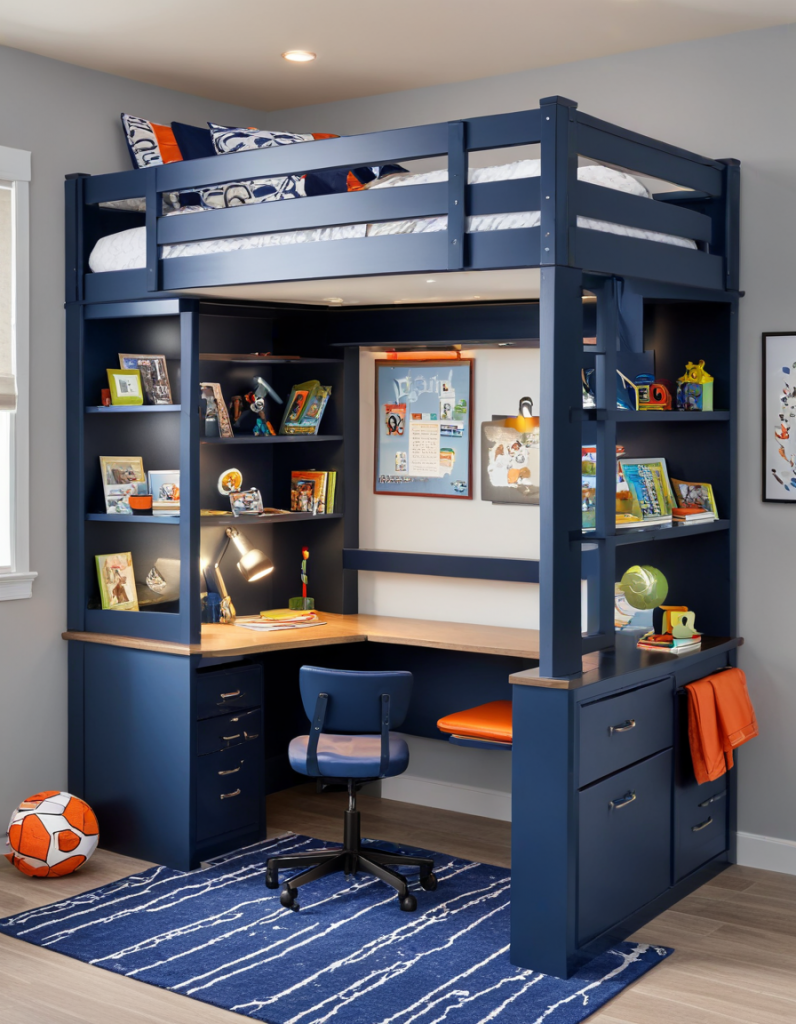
x: 325, y: 183
x: 194, y: 142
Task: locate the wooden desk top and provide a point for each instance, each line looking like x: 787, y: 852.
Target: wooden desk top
x: 219, y: 641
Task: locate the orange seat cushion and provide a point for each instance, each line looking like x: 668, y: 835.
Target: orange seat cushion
x: 490, y: 721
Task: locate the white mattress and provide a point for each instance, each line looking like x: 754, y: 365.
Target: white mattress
x: 126, y: 250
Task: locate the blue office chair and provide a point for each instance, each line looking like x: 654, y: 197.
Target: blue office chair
x: 351, y: 714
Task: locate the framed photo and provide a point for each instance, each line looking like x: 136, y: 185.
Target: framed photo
x: 779, y: 417
x: 650, y: 488
x: 246, y: 503
x: 164, y: 486
x: 687, y: 493
x: 125, y: 387
x: 116, y: 582
x: 424, y: 435
x: 122, y: 476
x: 217, y: 422
x: 154, y: 376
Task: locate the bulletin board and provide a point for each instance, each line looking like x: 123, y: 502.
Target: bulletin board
x: 424, y: 438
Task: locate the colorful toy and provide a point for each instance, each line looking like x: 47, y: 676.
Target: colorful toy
x: 51, y: 834
x: 652, y: 394
x: 303, y: 603
x: 695, y: 388
x: 644, y: 587
x: 256, y: 400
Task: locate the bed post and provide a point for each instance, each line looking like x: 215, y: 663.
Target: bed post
x: 561, y: 346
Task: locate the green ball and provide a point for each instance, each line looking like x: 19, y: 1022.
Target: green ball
x: 644, y: 586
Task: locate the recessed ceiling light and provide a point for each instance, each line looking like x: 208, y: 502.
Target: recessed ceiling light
x: 336, y: 301
x: 431, y: 280
x: 299, y: 56
x: 476, y: 296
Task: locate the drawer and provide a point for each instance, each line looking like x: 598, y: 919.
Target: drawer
x: 229, y: 791
x: 228, y: 731
x: 624, y: 844
x: 700, y: 826
x: 220, y: 691
x: 620, y: 730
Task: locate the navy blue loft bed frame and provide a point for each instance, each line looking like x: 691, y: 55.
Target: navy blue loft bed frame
x: 594, y: 879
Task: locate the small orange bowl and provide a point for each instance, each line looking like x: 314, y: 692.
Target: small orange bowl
x: 140, y: 502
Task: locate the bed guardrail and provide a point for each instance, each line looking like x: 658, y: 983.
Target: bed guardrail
x: 702, y: 209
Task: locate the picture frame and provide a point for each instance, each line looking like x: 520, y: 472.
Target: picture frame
x: 117, y: 582
x: 424, y: 428
x: 246, y: 503
x: 125, y: 387
x: 216, y: 409
x: 154, y: 376
x: 779, y: 417
x: 164, y: 486
x: 689, y: 493
x: 122, y: 475
x: 650, y: 486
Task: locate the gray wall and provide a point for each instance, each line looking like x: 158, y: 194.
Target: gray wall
x: 726, y: 97
x: 68, y: 117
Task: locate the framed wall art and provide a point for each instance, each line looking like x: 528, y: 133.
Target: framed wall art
x: 779, y: 417
x: 424, y: 438
x: 154, y: 376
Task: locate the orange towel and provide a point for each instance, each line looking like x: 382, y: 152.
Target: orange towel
x: 720, y: 718
x: 490, y: 721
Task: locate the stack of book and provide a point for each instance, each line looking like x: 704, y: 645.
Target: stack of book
x: 667, y: 642
x: 305, y: 407
x: 312, y: 491
x: 692, y: 514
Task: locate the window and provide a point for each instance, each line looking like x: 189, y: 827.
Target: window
x: 16, y: 579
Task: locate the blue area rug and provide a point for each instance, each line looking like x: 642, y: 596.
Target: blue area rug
x: 349, y: 956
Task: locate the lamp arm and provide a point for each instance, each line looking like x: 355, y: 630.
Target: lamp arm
x: 227, y: 608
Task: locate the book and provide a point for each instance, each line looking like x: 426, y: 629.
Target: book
x: 692, y: 514
x: 669, y: 643
x: 305, y: 408
x: 116, y: 582
x: 331, y: 491
x: 688, y: 494
x: 624, y: 521
x: 625, y: 517
x: 308, y: 491
x: 648, y: 483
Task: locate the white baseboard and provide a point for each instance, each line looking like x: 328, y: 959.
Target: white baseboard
x: 448, y: 796
x: 767, y: 853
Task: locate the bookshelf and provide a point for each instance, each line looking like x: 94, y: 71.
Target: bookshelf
x: 203, y: 341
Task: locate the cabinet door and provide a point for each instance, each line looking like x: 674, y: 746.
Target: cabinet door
x: 624, y: 843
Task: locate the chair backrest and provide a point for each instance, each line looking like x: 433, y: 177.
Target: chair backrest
x: 354, y: 704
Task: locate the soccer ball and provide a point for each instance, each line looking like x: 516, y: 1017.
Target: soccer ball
x: 52, y: 834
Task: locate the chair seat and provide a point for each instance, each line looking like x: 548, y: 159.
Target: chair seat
x: 350, y: 757
x: 490, y: 721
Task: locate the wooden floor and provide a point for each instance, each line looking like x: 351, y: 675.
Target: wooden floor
x: 735, y: 938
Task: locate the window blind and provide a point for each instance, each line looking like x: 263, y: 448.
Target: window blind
x: 8, y: 386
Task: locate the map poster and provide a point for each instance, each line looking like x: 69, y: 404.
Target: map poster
x: 424, y: 439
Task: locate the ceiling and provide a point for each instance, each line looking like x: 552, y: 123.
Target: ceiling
x: 233, y: 54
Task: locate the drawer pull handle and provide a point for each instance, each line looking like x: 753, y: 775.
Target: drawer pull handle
x: 227, y: 796
x: 624, y: 727
x: 250, y: 735
x: 235, y: 737
x: 712, y: 799
x: 231, y: 771
x: 698, y: 828
x: 616, y: 805
x: 229, y: 696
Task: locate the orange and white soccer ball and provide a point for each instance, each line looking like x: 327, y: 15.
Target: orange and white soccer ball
x: 51, y: 834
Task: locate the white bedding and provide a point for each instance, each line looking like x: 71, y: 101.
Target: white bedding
x: 126, y: 250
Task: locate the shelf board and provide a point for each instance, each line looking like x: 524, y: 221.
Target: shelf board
x: 240, y: 357
x: 669, y: 531
x: 247, y: 520
x: 279, y: 439
x: 132, y: 408
x: 656, y: 416
x: 115, y: 517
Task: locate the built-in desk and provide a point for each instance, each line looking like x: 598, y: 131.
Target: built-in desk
x: 222, y: 641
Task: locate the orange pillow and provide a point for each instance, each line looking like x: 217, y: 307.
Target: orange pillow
x: 490, y: 721
x: 149, y: 144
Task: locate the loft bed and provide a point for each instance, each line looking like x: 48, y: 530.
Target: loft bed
x: 532, y: 214
x: 559, y: 259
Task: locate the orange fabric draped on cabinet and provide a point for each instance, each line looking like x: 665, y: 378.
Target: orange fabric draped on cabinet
x: 720, y: 718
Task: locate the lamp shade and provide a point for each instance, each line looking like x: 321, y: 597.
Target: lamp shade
x: 253, y: 564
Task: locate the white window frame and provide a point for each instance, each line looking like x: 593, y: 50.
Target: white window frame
x: 18, y: 582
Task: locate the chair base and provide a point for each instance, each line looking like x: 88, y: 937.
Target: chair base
x: 352, y: 858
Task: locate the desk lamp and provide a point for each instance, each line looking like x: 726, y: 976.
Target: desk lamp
x: 253, y: 565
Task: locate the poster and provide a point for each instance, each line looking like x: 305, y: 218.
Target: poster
x: 424, y: 428
x: 779, y: 417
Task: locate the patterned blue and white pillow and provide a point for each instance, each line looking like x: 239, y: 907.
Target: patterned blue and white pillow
x: 257, y: 190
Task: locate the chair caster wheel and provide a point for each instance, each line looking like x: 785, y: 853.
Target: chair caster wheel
x: 288, y: 898
x: 271, y: 878
x: 408, y: 902
x: 429, y: 883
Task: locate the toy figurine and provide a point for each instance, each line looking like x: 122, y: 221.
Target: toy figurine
x: 652, y: 394
x: 303, y: 603
x: 695, y: 388
x: 256, y: 400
